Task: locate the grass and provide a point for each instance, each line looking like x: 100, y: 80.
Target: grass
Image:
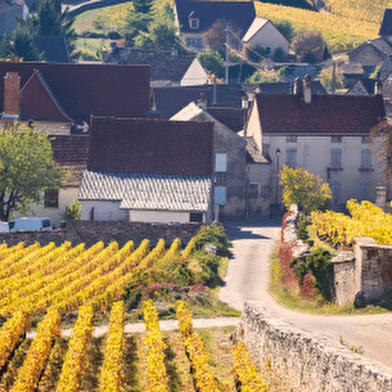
x: 84, y: 22
x: 357, y: 350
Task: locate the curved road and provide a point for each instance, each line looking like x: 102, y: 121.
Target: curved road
x: 247, y: 279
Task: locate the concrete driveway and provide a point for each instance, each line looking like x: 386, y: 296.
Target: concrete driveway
x: 247, y: 279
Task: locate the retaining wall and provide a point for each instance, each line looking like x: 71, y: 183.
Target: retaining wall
x: 90, y: 232
x: 311, y: 363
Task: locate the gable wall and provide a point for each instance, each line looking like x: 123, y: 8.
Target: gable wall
x: 269, y: 36
x: 103, y: 210
x: 195, y: 75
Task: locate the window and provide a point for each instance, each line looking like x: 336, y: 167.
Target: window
x: 364, y: 190
x: 194, y: 23
x: 51, y: 198
x: 365, y: 140
x: 196, y: 217
x: 291, y: 157
x: 291, y: 139
x: 336, y: 158
x: 366, y: 158
x: 254, y: 190
x: 220, y: 195
x: 220, y: 162
x: 194, y: 43
x: 336, y: 139
x: 336, y: 188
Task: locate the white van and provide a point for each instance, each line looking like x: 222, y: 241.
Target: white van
x: 30, y: 224
x: 4, y: 226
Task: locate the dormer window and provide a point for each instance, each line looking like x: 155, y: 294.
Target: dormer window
x: 194, y: 23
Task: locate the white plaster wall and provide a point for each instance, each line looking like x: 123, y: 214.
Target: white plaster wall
x: 314, y: 155
x: 269, y: 36
x: 66, y: 198
x: 158, y: 216
x: 103, y: 210
x: 195, y: 75
x: 253, y: 126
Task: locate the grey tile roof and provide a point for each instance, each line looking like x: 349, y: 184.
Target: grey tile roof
x: 142, y: 191
x: 55, y: 48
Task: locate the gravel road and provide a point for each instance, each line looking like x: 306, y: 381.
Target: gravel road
x: 247, y: 279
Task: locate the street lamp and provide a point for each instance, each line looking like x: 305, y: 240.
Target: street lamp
x: 277, y: 154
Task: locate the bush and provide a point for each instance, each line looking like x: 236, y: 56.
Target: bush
x: 214, y: 235
x: 309, y: 46
x: 73, y: 211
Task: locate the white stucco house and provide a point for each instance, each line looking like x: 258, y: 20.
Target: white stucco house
x: 328, y: 135
x: 262, y: 33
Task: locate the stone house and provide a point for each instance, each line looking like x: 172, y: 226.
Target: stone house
x: 262, y: 33
x: 148, y: 170
x: 167, y: 67
x: 327, y: 135
x: 195, y: 17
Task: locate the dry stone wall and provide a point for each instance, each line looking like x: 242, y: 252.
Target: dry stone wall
x: 90, y: 232
x: 310, y: 363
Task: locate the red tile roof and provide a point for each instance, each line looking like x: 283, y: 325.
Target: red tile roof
x: 326, y: 114
x: 151, y: 146
x: 85, y: 89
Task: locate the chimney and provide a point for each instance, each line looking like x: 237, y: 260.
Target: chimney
x: 202, y: 102
x: 174, y: 51
x: 297, y: 86
x: 378, y: 85
x: 11, y: 96
x: 307, y: 90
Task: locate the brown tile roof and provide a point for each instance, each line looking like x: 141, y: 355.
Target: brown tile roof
x: 326, y: 114
x: 85, y: 89
x: 70, y: 153
x: 231, y: 117
x: 151, y: 146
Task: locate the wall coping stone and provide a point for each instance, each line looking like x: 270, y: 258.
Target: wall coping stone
x: 343, y: 257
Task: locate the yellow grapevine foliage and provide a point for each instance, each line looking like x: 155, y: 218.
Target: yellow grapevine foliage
x: 246, y: 371
x: 184, y: 319
x: 367, y: 220
x: 155, y: 254
x: 111, y: 379
x: 48, y: 330
x: 11, y: 333
x: 189, y: 249
x: 73, y: 365
x: 173, y: 251
x: 157, y: 377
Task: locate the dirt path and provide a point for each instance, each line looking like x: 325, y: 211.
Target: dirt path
x: 248, y: 278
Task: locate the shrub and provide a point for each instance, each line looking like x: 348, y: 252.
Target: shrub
x: 215, y: 235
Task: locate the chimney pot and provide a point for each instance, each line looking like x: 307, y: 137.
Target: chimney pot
x: 307, y: 90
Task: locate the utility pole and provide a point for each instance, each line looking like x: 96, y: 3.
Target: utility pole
x: 227, y: 56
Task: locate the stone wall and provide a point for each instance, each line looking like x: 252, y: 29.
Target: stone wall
x: 364, y: 276
x: 310, y: 363
x: 90, y: 232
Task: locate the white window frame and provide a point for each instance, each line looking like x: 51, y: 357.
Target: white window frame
x: 221, y: 162
x: 194, y: 23
x: 220, y: 195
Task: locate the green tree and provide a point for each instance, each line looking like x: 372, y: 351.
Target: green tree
x: 73, y: 212
x: 326, y: 78
x: 263, y: 76
x: 213, y: 62
x: 285, y: 27
x: 305, y: 189
x: 309, y: 46
x: 26, y: 169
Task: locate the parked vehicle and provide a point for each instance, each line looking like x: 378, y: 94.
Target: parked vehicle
x: 30, y: 224
x: 4, y: 226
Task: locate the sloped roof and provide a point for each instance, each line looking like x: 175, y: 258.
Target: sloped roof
x: 386, y: 24
x: 164, y: 64
x: 145, y: 191
x: 170, y: 100
x: 70, y: 153
x: 55, y: 48
x: 8, y: 11
x: 253, y: 154
x: 379, y: 45
x: 282, y: 88
x: 151, y: 146
x: 86, y: 89
x: 386, y: 68
x: 367, y: 84
x: 257, y: 24
x: 241, y: 13
x: 233, y: 118
x: 326, y: 114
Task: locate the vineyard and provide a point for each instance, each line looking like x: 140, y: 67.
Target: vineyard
x: 366, y: 220
x: 341, y: 33
x: 43, y: 286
